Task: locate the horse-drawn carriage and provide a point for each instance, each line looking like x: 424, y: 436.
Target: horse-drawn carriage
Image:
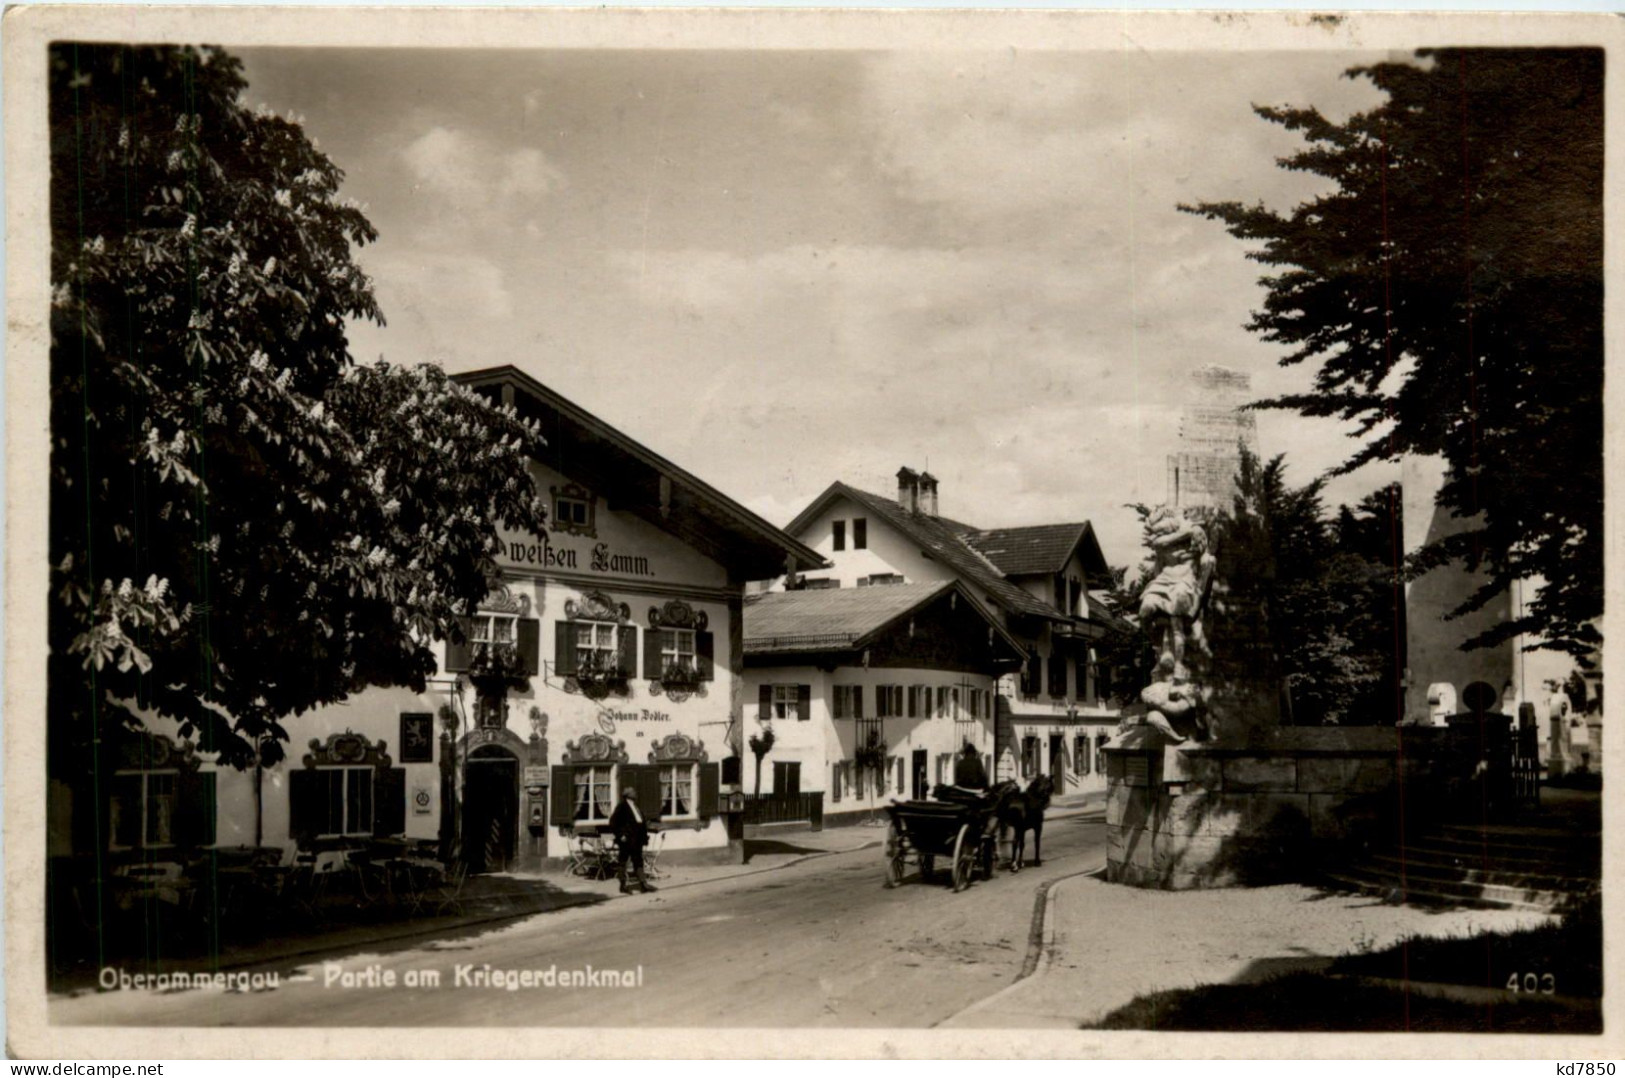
x: 962, y: 827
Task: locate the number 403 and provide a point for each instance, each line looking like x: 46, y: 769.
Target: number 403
x: 1543, y: 983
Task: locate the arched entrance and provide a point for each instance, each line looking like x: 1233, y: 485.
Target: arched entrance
x: 491, y: 809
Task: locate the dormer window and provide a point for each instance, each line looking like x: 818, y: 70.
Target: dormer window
x: 840, y: 534
x: 573, y: 511
x: 860, y: 533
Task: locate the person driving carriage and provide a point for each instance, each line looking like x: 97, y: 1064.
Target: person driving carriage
x: 969, y: 774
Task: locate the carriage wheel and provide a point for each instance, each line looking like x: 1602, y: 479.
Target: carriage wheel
x: 964, y: 857
x: 896, y: 856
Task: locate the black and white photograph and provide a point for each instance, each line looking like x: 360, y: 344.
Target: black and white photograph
x: 1029, y: 533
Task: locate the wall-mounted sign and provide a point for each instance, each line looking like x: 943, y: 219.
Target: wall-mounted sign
x: 535, y: 776
x: 608, y: 719
x: 422, y: 799
x: 600, y: 559
x: 417, y: 737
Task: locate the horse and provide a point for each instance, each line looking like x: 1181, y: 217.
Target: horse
x: 1023, y: 811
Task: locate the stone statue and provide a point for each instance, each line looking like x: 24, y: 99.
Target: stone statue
x: 1171, y: 614
x: 1171, y: 606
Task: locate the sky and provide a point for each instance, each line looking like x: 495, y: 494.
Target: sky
x: 779, y: 269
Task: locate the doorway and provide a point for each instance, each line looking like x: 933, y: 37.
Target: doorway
x: 920, y: 778
x: 1057, y: 762
x: 490, y: 809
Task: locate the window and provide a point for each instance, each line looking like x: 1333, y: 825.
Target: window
x: 1032, y: 673
x: 860, y: 533
x: 677, y: 650
x: 570, y: 512
x: 143, y: 809
x: 953, y: 703
x: 889, y: 701
x: 344, y: 805
x: 849, y: 701
x: 1081, y: 753
x: 840, y: 534
x: 835, y: 784
x: 676, y: 790
x: 592, y: 792
x: 1031, y: 764
x: 1057, y: 674
x: 786, y: 702
x: 498, y: 629
x: 885, y: 578
x: 819, y: 583
x: 1100, y: 752
x: 595, y: 645
x: 942, y: 701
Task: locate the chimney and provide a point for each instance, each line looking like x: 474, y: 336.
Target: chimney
x: 928, y: 494
x: 908, y: 489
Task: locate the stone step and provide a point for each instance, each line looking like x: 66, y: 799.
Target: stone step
x: 1437, y: 851
x: 1494, y: 873
x: 1418, y: 888
x: 1508, y: 836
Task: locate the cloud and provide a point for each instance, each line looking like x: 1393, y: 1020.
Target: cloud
x: 448, y: 163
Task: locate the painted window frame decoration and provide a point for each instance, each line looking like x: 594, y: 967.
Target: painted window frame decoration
x: 192, y: 806
x: 612, y: 678
x: 669, y: 626
x: 576, y: 494
x: 669, y: 755
x: 362, y: 761
x: 592, y: 753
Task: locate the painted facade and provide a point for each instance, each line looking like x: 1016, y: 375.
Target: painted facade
x: 619, y: 632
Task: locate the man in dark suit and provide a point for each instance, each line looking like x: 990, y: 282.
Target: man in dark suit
x: 631, y: 835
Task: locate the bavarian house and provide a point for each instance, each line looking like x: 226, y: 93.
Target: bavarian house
x: 609, y: 657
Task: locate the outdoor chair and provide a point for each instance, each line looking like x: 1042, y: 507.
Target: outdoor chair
x: 651, y: 856
x: 448, y: 894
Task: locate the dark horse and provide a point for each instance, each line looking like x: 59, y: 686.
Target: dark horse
x: 1023, y: 811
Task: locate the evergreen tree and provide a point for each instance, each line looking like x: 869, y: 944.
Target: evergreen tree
x: 1448, y: 290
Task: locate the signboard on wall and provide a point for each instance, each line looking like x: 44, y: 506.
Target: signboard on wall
x: 417, y: 737
x: 422, y: 799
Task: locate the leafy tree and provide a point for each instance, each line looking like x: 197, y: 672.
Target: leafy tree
x: 1448, y: 289
x: 244, y: 524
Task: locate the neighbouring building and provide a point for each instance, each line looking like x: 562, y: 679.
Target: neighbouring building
x: 870, y: 692
x: 1527, y: 682
x: 1055, y: 713
x: 624, y: 621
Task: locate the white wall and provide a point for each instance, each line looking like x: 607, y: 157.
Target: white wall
x: 886, y: 551
x: 821, y: 741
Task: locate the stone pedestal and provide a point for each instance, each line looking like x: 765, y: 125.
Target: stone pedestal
x: 1188, y: 816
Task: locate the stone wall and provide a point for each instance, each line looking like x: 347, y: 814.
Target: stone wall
x: 1188, y: 816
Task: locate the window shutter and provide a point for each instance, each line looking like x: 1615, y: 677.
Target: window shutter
x: 304, y: 803
x: 389, y: 801
x: 835, y: 782
x: 459, y: 654
x: 627, y: 661
x: 708, y: 790
x: 194, y: 809
x: 653, y: 666
x: 562, y: 799
x: 529, y: 643
x: 564, y: 648
x: 705, y: 655
x: 803, y: 703
x: 646, y: 780
x: 913, y: 700
x: 764, y: 702
x: 857, y: 701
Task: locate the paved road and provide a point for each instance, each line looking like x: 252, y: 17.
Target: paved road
x: 822, y: 943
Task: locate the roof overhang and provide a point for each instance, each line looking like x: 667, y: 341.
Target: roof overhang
x: 635, y: 479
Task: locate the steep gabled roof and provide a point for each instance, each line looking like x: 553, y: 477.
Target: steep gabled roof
x: 642, y: 482
x: 845, y: 619
x: 941, y: 540
x: 1039, y: 548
